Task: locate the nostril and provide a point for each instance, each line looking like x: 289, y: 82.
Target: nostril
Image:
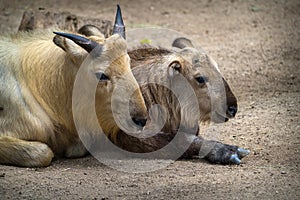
x: 232, y: 110
x: 139, y: 121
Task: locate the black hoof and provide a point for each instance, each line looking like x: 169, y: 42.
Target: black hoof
x: 234, y: 159
x: 242, y: 152
x: 226, y: 154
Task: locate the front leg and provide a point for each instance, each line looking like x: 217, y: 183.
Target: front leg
x: 17, y: 152
x: 215, y: 152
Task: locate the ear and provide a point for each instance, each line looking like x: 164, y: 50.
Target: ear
x: 174, y: 68
x: 90, y: 30
x: 70, y: 47
x: 182, y: 42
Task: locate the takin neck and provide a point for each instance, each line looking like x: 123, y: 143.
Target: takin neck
x: 150, y: 69
x: 151, y: 65
x: 48, y: 73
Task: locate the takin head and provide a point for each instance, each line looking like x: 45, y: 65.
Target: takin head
x: 216, y: 100
x: 118, y: 100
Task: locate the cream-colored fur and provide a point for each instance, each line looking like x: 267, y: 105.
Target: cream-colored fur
x: 36, y: 83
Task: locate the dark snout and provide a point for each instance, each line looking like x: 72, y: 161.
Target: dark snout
x: 138, y: 109
x: 232, y: 106
x: 231, y: 111
x: 139, y: 121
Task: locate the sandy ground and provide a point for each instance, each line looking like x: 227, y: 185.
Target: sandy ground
x: 257, y: 45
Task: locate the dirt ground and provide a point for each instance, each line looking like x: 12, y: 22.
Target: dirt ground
x: 257, y: 45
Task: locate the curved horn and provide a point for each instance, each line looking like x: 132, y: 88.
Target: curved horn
x: 85, y: 43
x: 119, y: 27
x: 182, y: 42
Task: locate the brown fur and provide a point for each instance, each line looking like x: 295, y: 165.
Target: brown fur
x: 149, y: 64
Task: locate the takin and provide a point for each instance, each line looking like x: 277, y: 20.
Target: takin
x: 37, y: 74
x: 158, y: 72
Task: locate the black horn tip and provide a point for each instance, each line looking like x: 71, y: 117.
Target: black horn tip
x: 75, y: 38
x: 119, y: 19
x: 119, y: 27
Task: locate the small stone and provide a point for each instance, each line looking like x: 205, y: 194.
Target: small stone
x: 165, y: 13
x: 283, y: 172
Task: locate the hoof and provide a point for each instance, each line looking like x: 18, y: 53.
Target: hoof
x: 242, y: 152
x: 234, y: 159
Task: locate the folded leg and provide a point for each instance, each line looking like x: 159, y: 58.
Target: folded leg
x: 23, y: 153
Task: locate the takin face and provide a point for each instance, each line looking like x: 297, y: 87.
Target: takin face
x: 37, y: 77
x: 215, y: 99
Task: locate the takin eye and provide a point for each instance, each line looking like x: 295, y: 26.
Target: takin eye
x: 201, y: 80
x: 101, y: 76
x: 175, y: 65
x: 195, y: 61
